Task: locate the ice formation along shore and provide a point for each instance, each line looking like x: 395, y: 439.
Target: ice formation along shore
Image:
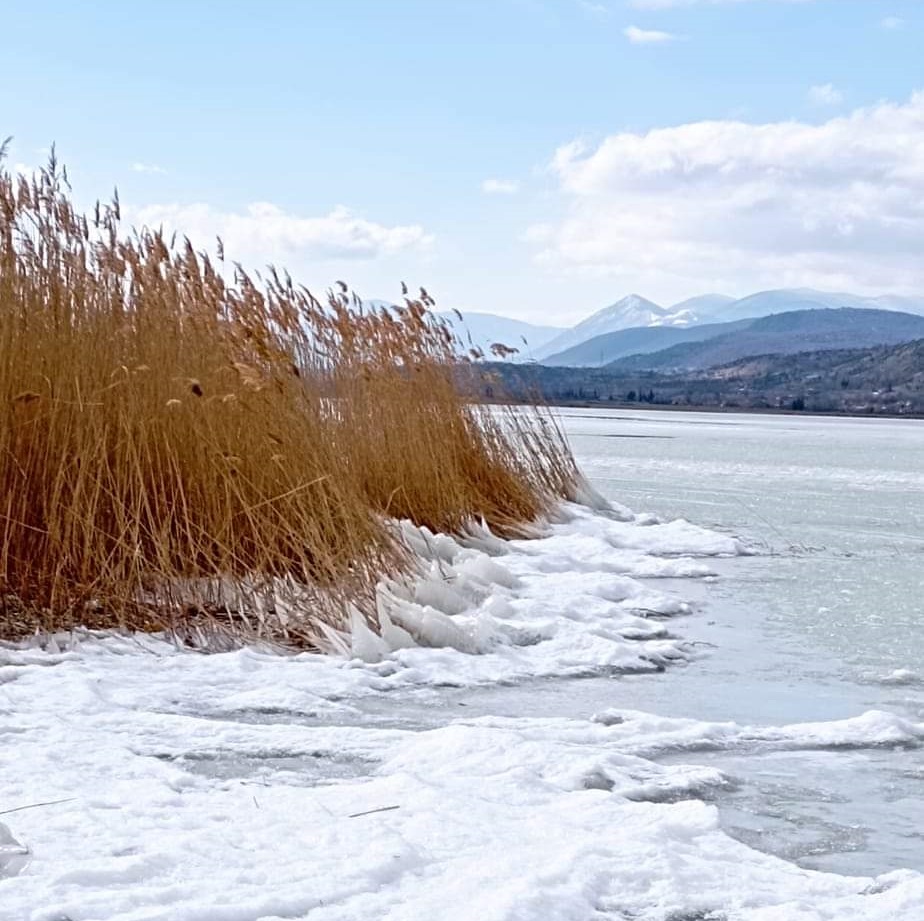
x: 248, y: 785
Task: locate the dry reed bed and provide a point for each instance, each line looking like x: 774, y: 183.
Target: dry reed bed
x: 188, y: 453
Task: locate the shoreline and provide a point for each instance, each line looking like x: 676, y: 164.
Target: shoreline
x: 720, y: 410
x: 354, y: 805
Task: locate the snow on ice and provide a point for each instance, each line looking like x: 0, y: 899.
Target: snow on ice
x: 250, y: 786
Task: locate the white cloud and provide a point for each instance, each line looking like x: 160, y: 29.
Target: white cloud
x: 265, y: 233
x: 891, y: 23
x: 740, y: 206
x: 148, y: 168
x: 500, y: 186
x: 647, y: 36
x: 825, y: 95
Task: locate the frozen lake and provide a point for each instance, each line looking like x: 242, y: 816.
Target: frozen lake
x: 618, y: 719
x: 827, y: 622
x: 824, y: 623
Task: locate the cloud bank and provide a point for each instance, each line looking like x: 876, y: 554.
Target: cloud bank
x: 266, y: 233
x: 732, y: 205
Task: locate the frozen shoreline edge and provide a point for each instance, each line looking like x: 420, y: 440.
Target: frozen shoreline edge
x: 573, y: 593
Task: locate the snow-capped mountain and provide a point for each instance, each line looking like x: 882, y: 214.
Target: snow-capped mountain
x: 636, y: 314
x: 704, y: 306
x: 808, y: 330
x: 630, y: 312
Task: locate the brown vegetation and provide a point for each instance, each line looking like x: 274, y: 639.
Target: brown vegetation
x: 178, y: 450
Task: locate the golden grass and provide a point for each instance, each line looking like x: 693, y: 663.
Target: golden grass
x: 417, y: 447
x: 177, y: 450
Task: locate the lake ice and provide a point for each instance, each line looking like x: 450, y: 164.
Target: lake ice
x: 646, y: 724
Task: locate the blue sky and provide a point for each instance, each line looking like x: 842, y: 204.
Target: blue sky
x: 538, y: 158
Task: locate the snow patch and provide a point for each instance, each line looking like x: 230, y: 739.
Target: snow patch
x: 253, y: 786
x: 662, y: 735
x: 901, y: 677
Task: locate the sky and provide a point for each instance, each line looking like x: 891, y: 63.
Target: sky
x: 534, y: 158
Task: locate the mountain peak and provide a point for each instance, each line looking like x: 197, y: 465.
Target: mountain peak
x: 637, y: 299
x: 636, y: 302
x: 634, y: 312
x: 631, y: 311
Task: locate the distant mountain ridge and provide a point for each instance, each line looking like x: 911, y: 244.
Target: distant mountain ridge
x: 704, y: 306
x: 782, y: 334
x: 484, y: 329
x: 884, y: 379
x: 602, y: 350
x: 630, y: 312
x: 786, y: 300
x: 878, y: 368
x: 583, y: 346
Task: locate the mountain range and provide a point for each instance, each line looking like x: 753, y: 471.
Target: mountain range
x: 886, y: 379
x: 781, y: 334
x: 482, y: 330
x: 631, y: 312
x: 641, y: 340
x: 650, y: 327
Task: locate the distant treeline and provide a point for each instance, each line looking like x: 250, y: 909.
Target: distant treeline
x: 885, y: 379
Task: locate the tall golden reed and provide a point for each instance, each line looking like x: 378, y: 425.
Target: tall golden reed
x: 177, y: 449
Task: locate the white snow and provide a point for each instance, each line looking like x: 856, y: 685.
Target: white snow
x: 628, y: 313
x: 152, y: 784
x: 901, y: 676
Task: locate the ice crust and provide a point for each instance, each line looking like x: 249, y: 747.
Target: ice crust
x: 251, y: 786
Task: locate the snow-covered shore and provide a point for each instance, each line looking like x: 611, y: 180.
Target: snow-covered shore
x: 248, y: 785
